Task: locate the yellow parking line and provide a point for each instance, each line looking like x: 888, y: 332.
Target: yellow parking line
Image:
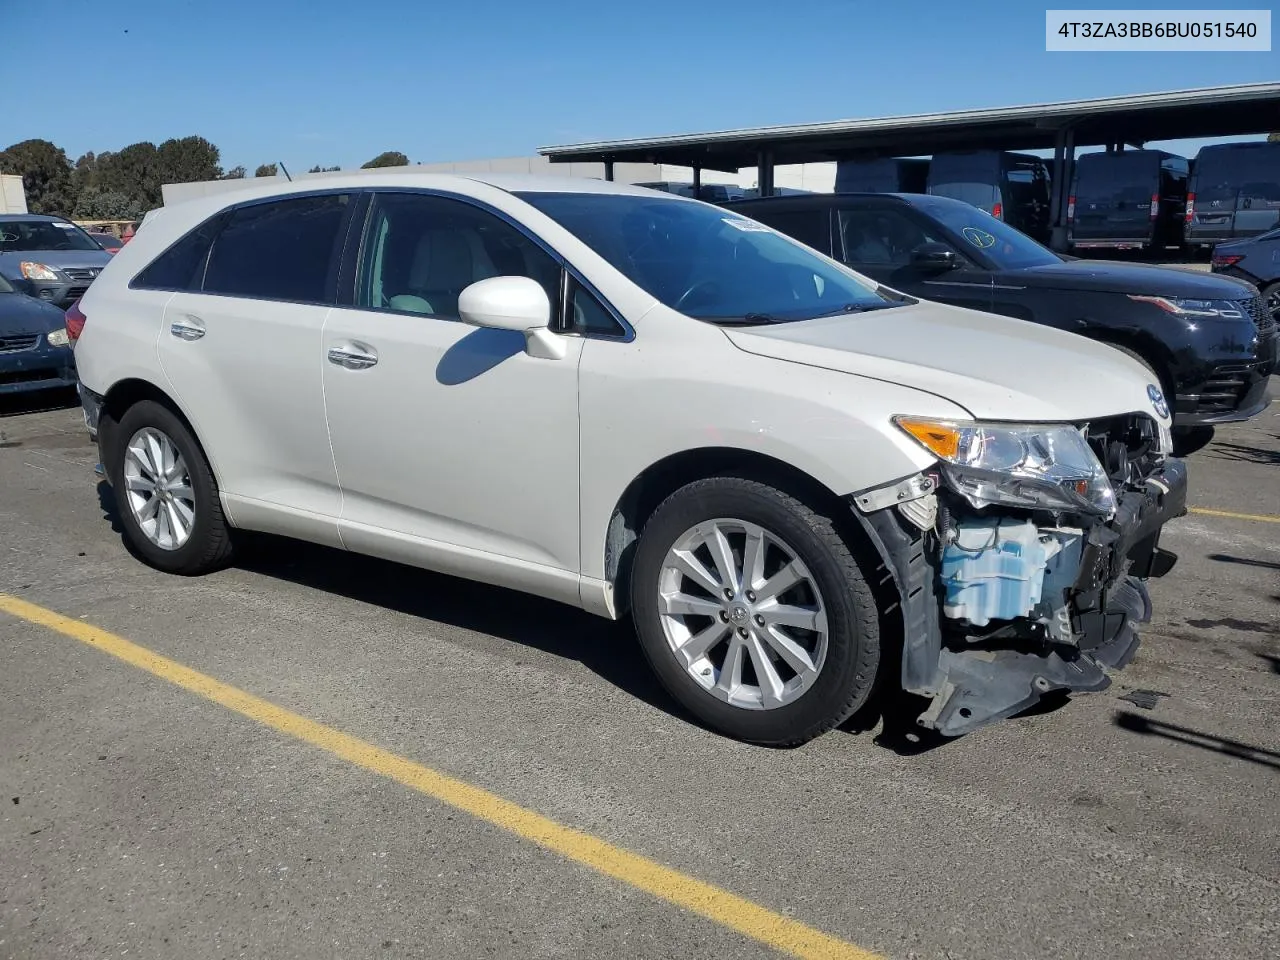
x: 1230, y: 515
x: 747, y: 918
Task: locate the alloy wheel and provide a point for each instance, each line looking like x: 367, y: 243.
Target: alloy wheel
x: 158, y: 490
x: 742, y: 614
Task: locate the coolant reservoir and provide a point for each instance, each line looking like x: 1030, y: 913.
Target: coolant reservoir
x: 994, y: 569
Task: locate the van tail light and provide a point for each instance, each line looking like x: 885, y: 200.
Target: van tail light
x: 1226, y: 259
x: 1191, y: 206
x: 998, y: 211
x: 1071, y: 208
x: 75, y: 322
x: 1155, y: 205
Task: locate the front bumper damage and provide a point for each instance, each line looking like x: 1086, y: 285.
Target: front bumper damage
x: 1064, y: 630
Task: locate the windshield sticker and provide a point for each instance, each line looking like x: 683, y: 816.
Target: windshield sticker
x: 746, y: 226
x: 979, y: 238
x: 64, y: 226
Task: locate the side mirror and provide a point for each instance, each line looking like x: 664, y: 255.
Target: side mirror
x: 513, y: 303
x: 934, y: 256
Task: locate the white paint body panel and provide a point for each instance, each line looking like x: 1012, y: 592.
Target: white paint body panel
x: 457, y: 436
x: 458, y: 451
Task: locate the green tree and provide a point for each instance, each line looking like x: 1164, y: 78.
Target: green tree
x: 97, y: 204
x: 320, y: 169
x: 266, y: 170
x: 1273, y: 138
x: 135, y: 172
x: 392, y: 158
x: 188, y: 160
x: 46, y: 175
x: 84, y: 174
x: 235, y: 173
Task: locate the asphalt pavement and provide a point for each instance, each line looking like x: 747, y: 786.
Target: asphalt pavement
x: 140, y: 818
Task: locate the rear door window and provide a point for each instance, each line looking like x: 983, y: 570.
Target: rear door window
x: 280, y: 250
x: 811, y: 226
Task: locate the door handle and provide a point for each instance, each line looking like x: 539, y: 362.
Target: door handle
x: 353, y: 356
x: 187, y: 328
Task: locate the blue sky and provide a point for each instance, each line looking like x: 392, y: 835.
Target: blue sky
x: 329, y: 82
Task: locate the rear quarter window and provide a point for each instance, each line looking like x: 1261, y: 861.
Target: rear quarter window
x: 280, y: 250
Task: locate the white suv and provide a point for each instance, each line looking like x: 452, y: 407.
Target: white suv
x: 800, y: 484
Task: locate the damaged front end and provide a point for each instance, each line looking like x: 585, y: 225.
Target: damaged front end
x: 1015, y: 582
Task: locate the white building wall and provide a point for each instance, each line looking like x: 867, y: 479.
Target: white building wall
x: 13, y: 196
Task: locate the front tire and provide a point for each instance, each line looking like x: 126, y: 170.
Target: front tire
x: 166, y: 494
x: 753, y: 612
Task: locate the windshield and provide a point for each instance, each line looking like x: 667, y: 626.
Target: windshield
x: 5, y: 286
x: 706, y: 262
x: 20, y: 236
x: 979, y: 232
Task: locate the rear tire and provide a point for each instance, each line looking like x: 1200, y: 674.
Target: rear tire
x: 166, y: 494
x: 807, y: 655
x: 1271, y: 300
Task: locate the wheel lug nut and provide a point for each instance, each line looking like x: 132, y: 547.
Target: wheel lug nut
x: 724, y: 616
x: 728, y: 594
x: 759, y: 620
x: 742, y: 632
x: 751, y: 596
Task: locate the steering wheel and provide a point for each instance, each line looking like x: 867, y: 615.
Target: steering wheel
x: 691, y: 290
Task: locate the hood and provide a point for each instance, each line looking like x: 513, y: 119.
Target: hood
x: 995, y: 367
x: 22, y: 314
x: 1138, y: 278
x: 58, y: 259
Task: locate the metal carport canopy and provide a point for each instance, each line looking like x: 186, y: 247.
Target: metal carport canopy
x: 1208, y: 112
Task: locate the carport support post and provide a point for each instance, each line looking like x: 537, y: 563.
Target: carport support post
x: 764, y: 178
x: 697, y: 182
x: 608, y: 169
x: 1064, y: 170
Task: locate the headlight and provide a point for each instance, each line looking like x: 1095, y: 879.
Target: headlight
x: 58, y: 338
x: 37, y: 271
x: 1036, y: 466
x: 1204, y: 309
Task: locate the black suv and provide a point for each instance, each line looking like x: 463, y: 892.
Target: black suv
x: 1207, y: 338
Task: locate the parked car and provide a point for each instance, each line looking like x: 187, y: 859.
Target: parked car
x: 34, y: 346
x: 1256, y: 260
x: 49, y: 258
x: 107, y: 241
x: 1013, y: 187
x: 1207, y: 340
x: 882, y: 175
x: 1234, y: 192
x: 638, y: 403
x: 1129, y: 200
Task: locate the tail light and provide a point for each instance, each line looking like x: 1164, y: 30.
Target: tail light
x: 1191, y: 206
x: 998, y: 211
x: 1155, y: 205
x: 75, y: 322
x: 1071, y: 208
x: 1226, y: 259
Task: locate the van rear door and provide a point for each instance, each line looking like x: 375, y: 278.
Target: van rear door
x: 1113, y: 199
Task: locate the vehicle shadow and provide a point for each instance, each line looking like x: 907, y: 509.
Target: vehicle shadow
x: 607, y: 648
x: 1245, y: 561
x: 1194, y: 738
x: 1271, y: 659
x: 1244, y: 453
x: 37, y: 401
